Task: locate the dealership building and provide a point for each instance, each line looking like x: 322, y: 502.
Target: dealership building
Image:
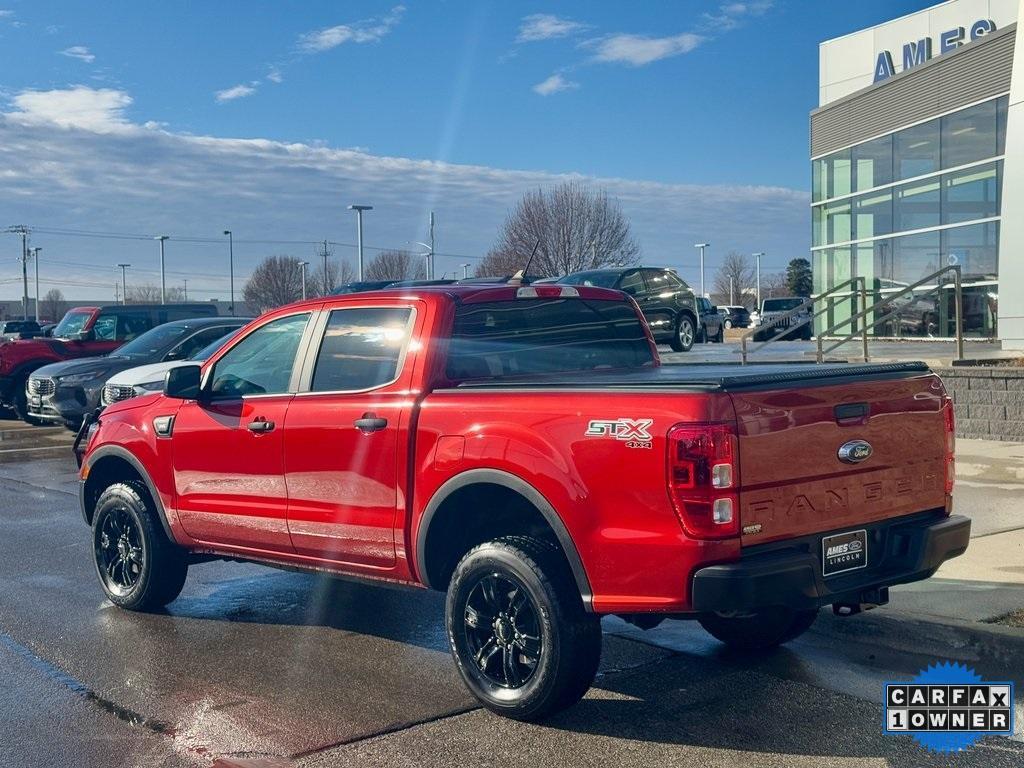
x: 917, y: 150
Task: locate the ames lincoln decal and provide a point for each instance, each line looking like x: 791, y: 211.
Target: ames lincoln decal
x: 948, y: 707
x: 919, y: 51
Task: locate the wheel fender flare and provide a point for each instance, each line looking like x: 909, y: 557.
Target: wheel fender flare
x: 524, y: 489
x: 126, y: 455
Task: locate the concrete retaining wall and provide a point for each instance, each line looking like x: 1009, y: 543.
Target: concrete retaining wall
x: 989, y: 401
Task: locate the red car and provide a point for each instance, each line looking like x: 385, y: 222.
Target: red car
x: 522, y: 448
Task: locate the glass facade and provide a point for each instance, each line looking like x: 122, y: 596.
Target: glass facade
x: 899, y: 207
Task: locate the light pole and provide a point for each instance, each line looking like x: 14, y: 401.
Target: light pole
x: 359, y: 232
x: 21, y: 229
x: 35, y: 257
x: 430, y: 258
x: 303, y: 265
x: 732, y: 292
x: 701, y: 246
x: 465, y: 270
x: 231, y: 269
x: 163, y: 280
x: 124, y: 283
x: 757, y: 260
x: 186, y: 288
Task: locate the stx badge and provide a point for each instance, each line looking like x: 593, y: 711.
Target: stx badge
x: 633, y: 432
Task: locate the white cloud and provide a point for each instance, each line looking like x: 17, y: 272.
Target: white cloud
x: 554, y: 84
x: 545, y: 26
x: 239, y: 91
x: 731, y: 15
x: 639, y: 50
x: 5, y: 13
x: 275, y: 76
x: 79, y: 52
x: 367, y: 31
x: 95, y: 109
x: 71, y: 160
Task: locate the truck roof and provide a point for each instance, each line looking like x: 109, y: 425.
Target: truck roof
x: 472, y: 294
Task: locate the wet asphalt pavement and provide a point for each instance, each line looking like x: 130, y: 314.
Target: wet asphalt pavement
x: 252, y: 663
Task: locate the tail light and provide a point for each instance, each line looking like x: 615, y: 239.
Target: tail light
x: 703, y: 479
x: 950, y: 424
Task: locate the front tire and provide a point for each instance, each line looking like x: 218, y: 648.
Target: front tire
x: 138, y: 567
x: 522, y: 641
x: 685, y: 334
x: 760, y: 630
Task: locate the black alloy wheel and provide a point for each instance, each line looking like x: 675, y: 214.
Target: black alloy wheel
x: 120, y: 554
x: 502, y: 631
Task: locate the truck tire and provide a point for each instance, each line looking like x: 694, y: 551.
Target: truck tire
x: 138, y: 567
x: 684, y: 335
x: 759, y: 630
x: 720, y: 337
x: 521, y: 639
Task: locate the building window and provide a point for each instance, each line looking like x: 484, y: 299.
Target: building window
x: 915, y: 257
x: 970, y: 194
x: 1002, y: 104
x: 917, y: 150
x: 969, y: 135
x: 873, y: 214
x: 974, y: 248
x: 832, y: 223
x: 872, y: 163
x: 916, y: 205
x: 832, y: 176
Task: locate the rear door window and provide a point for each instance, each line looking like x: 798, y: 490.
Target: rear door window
x: 632, y: 283
x: 536, y: 336
x: 362, y: 348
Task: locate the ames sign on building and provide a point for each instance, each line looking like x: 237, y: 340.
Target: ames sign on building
x: 917, y: 149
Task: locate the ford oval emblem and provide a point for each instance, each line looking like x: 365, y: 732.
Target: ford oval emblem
x: 855, y: 451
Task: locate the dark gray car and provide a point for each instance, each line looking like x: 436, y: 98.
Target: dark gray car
x: 62, y: 393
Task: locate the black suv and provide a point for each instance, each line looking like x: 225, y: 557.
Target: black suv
x: 665, y: 299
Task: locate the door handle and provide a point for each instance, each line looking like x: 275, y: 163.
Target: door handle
x: 370, y: 422
x: 259, y: 425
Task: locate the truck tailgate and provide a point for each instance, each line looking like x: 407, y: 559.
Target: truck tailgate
x: 793, y: 481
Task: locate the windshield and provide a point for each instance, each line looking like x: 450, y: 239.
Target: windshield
x: 781, y: 305
x: 153, y: 341
x: 206, y: 352
x: 537, y: 336
x: 72, y: 323
x: 597, y: 278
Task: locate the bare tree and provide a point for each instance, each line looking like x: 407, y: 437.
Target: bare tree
x: 501, y: 264
x: 52, y: 306
x: 774, y: 286
x: 395, y: 265
x: 577, y: 228
x: 147, y: 293
x: 276, y: 281
x: 338, y: 273
x: 734, y: 281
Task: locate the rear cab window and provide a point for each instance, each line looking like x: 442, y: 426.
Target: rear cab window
x: 544, y: 336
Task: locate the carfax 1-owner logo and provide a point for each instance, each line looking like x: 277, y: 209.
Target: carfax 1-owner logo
x: 948, y: 707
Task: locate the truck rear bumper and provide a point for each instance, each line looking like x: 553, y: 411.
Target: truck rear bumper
x: 790, y: 575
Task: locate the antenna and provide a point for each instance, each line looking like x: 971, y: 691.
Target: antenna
x: 520, y: 277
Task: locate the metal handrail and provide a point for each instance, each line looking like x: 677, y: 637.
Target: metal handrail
x: 852, y: 283
x: 865, y: 311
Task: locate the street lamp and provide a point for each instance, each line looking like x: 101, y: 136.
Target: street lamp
x: 303, y: 265
x: 231, y: 269
x: 757, y: 259
x: 35, y: 255
x: 465, y: 270
x: 124, y: 283
x: 359, y: 232
x: 702, y: 246
x: 163, y: 282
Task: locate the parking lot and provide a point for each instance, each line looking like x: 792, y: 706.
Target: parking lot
x: 252, y: 663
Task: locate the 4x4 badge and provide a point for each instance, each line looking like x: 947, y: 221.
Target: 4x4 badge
x: 855, y: 451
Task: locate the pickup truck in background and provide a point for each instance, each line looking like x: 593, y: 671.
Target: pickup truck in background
x: 83, y: 332
x: 521, y: 448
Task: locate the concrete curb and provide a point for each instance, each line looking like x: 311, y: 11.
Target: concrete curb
x: 942, y: 637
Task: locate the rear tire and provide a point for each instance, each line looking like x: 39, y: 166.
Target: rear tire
x: 521, y: 639
x: 760, y: 630
x: 728, y: 324
x: 139, y: 568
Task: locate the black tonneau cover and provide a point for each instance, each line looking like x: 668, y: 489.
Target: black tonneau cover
x: 706, y: 377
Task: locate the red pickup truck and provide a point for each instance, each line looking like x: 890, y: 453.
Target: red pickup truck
x: 522, y: 448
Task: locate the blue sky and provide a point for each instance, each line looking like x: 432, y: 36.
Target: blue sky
x: 125, y: 117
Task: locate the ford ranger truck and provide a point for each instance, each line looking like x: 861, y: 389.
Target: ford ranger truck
x: 521, y: 448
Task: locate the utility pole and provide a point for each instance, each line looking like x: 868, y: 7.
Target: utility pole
x: 465, y: 270
x: 117, y: 292
x: 359, y: 232
x: 327, y: 278
x: 757, y: 259
x: 163, y: 280
x: 186, y: 289
x: 21, y: 229
x: 124, y: 283
x: 231, y: 269
x: 430, y: 258
x: 701, y: 246
x: 304, y: 264
x: 35, y: 257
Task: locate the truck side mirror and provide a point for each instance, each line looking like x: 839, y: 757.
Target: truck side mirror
x: 86, y: 335
x: 183, y: 382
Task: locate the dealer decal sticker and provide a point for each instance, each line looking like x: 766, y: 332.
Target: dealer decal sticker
x: 948, y: 707
x: 635, y: 433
